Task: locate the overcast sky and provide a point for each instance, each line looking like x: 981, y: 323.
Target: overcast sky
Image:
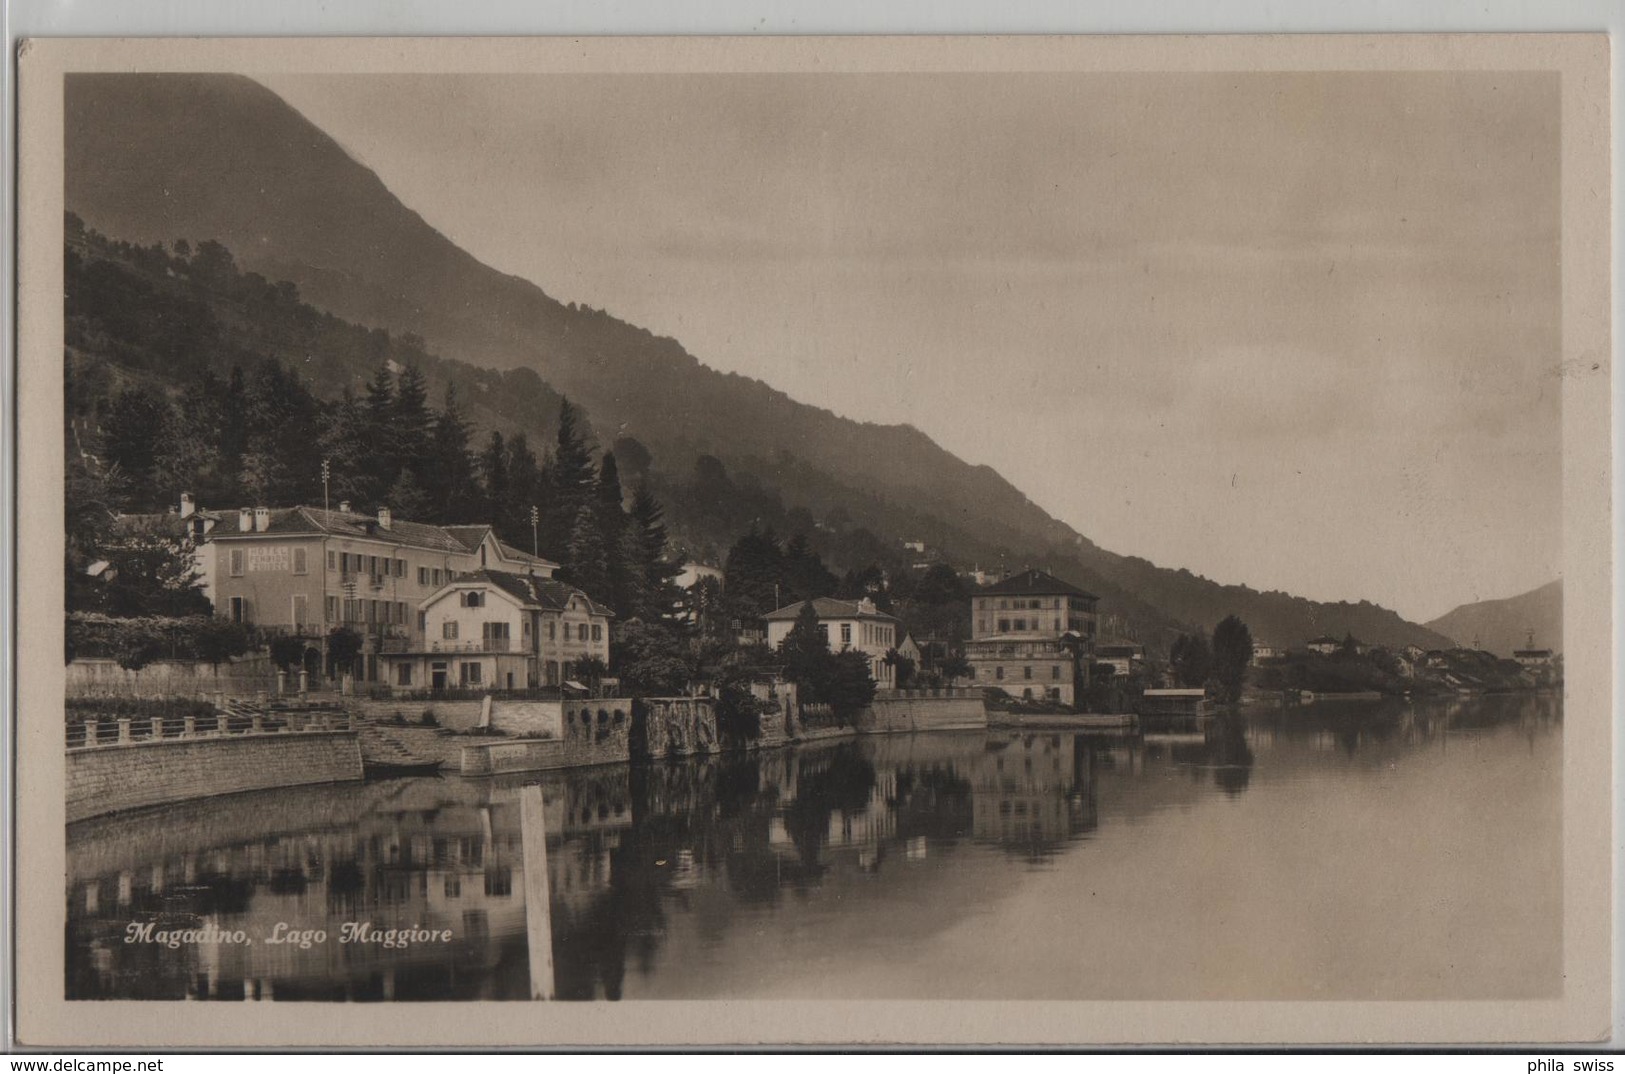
x: 1294, y: 331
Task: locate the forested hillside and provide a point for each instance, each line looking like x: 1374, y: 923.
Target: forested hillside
x: 158, y: 158
x: 193, y: 375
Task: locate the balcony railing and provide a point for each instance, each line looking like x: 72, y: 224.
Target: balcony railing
x: 125, y: 730
x: 472, y: 645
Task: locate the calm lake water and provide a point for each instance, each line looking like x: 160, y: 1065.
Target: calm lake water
x: 1340, y: 852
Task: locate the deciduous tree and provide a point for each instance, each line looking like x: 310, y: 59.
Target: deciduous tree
x: 1232, y: 653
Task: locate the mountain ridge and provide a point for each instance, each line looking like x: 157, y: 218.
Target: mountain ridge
x: 152, y: 158
x: 1504, y: 625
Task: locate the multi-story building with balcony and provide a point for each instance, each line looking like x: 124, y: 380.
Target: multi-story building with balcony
x: 497, y: 630
x: 1033, y: 636
x: 307, y: 571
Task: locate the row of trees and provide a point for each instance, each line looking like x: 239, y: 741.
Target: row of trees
x: 761, y: 573
x: 263, y: 437
x: 1195, y: 660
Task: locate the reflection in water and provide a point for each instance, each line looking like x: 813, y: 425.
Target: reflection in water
x: 793, y: 869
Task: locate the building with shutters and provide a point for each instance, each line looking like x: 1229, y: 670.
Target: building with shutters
x: 498, y: 630
x: 306, y: 571
x: 1033, y: 635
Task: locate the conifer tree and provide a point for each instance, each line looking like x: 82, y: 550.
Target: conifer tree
x: 573, y: 472
x: 232, y: 438
x: 806, y: 655
x: 343, y: 444
x: 412, y: 421
x: 751, y: 575
x: 569, y: 484
x: 803, y: 572
x: 619, y: 569
x: 524, y: 491
x: 587, y: 563
x: 658, y: 597
x: 407, y: 498
x: 450, y: 482
x: 378, y: 413
x: 493, y: 464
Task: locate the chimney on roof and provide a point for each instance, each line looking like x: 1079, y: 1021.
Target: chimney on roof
x: 245, y: 520
x: 383, y: 517
x: 344, y: 507
x: 262, y: 519
x: 188, y: 508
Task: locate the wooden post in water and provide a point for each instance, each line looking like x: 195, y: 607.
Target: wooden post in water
x: 538, y: 900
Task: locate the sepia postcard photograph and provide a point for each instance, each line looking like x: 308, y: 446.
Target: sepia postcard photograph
x: 814, y: 541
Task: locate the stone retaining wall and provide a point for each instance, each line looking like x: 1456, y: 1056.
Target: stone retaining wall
x: 130, y: 775
x: 596, y: 731
x: 454, y: 715
x: 100, y: 677
x: 529, y: 719
x: 677, y: 726
x: 924, y: 710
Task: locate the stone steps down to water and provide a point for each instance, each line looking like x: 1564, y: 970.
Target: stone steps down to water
x: 392, y: 745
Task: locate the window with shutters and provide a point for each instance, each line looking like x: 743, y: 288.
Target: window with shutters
x: 495, y: 636
x: 448, y: 630
x: 300, y: 565
x: 236, y: 562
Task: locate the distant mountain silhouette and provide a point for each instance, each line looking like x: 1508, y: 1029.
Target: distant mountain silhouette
x: 156, y: 157
x: 1504, y: 625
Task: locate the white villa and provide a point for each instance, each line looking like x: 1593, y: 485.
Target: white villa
x: 849, y: 624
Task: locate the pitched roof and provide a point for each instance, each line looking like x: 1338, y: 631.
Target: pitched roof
x: 317, y: 522
x: 473, y: 536
x: 515, y: 554
x: 1036, y: 583
x: 470, y: 536
x: 549, y: 594
x: 829, y: 608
